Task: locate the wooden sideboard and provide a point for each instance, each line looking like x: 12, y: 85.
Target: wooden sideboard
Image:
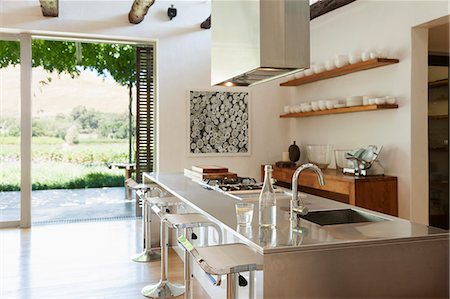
x: 377, y: 193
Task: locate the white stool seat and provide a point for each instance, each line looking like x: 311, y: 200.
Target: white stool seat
x: 141, y: 186
x: 186, y: 220
x: 227, y: 258
x: 164, y: 201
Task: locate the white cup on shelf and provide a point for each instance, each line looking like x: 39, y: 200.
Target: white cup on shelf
x: 382, y: 53
x: 391, y: 100
x: 365, y: 55
x: 322, y: 105
x: 330, y: 103
x: 354, y: 57
x: 330, y: 65
x: 366, y: 100
x: 380, y: 101
x: 374, y: 55
x: 299, y: 75
x: 315, y: 106
x: 308, y: 72
x: 318, y: 68
x: 292, y: 109
x: 341, y: 60
x: 307, y: 108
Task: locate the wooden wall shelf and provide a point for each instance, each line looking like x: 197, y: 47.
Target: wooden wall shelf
x: 377, y: 193
x: 439, y: 149
x: 443, y: 116
x: 351, y: 68
x: 340, y: 110
x: 438, y: 83
x: 439, y: 183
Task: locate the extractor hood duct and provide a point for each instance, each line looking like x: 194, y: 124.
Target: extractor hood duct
x: 254, y: 41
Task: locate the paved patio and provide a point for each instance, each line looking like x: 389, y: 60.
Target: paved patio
x: 70, y: 205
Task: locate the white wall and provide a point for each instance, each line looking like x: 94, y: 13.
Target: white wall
x: 360, y: 26
x: 183, y: 62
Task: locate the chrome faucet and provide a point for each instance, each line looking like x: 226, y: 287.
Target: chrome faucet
x: 297, y: 205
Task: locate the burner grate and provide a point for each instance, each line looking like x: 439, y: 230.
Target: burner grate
x: 231, y: 181
x: 237, y: 184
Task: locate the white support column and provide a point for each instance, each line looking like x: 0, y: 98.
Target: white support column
x: 25, y: 127
x: 419, y: 209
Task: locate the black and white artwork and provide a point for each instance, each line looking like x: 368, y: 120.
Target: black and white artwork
x: 219, y: 122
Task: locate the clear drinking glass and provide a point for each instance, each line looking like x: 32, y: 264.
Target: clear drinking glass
x: 244, y: 213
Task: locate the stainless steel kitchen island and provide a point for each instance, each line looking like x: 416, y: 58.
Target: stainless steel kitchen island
x: 390, y: 257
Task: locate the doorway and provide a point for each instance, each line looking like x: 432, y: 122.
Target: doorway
x: 438, y: 126
x: 29, y: 118
x: 81, y: 106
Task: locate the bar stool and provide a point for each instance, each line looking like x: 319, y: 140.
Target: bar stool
x: 142, y: 190
x: 227, y: 259
x: 164, y: 288
x: 147, y: 254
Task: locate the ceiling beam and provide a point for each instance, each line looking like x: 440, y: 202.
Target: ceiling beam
x: 322, y: 7
x: 138, y: 10
x: 206, y: 24
x: 50, y: 8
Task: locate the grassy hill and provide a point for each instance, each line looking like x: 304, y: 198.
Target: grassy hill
x: 58, y: 94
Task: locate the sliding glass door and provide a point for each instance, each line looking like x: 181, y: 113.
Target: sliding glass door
x: 18, y: 100
x: 14, y: 200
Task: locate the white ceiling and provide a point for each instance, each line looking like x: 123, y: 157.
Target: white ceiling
x: 438, y: 38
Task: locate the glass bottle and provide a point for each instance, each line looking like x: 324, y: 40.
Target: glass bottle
x: 267, y: 201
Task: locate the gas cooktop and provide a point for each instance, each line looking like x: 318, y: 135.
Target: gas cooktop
x: 235, y: 185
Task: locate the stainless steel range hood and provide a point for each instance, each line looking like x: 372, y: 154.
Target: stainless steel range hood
x: 254, y: 41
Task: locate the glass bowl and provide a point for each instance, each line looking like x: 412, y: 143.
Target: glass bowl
x: 341, y: 161
x: 319, y: 154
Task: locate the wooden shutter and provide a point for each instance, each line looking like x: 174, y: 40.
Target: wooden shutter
x: 145, y: 116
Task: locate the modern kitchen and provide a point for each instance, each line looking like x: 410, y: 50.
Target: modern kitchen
x: 300, y: 151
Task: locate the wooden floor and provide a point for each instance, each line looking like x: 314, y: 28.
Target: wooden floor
x: 81, y: 260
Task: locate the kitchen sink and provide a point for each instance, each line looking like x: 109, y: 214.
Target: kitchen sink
x: 333, y: 217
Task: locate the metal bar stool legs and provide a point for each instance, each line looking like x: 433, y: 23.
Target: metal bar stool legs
x: 231, y: 286
x: 187, y: 267
x: 188, y: 276
x: 164, y: 288
x: 227, y: 259
x: 187, y: 222
x: 147, y: 254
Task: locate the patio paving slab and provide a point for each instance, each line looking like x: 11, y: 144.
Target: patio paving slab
x: 69, y: 205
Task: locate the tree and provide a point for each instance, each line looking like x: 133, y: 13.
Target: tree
x: 88, y: 119
x: 115, y: 60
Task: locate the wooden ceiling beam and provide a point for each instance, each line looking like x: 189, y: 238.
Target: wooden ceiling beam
x: 322, y: 7
x: 138, y: 10
x: 50, y: 8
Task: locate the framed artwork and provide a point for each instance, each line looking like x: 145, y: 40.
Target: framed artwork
x: 219, y: 123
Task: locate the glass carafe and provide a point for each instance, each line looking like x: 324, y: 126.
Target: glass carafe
x: 267, y: 201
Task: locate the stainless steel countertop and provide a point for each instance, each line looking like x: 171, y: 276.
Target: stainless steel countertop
x: 220, y: 207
